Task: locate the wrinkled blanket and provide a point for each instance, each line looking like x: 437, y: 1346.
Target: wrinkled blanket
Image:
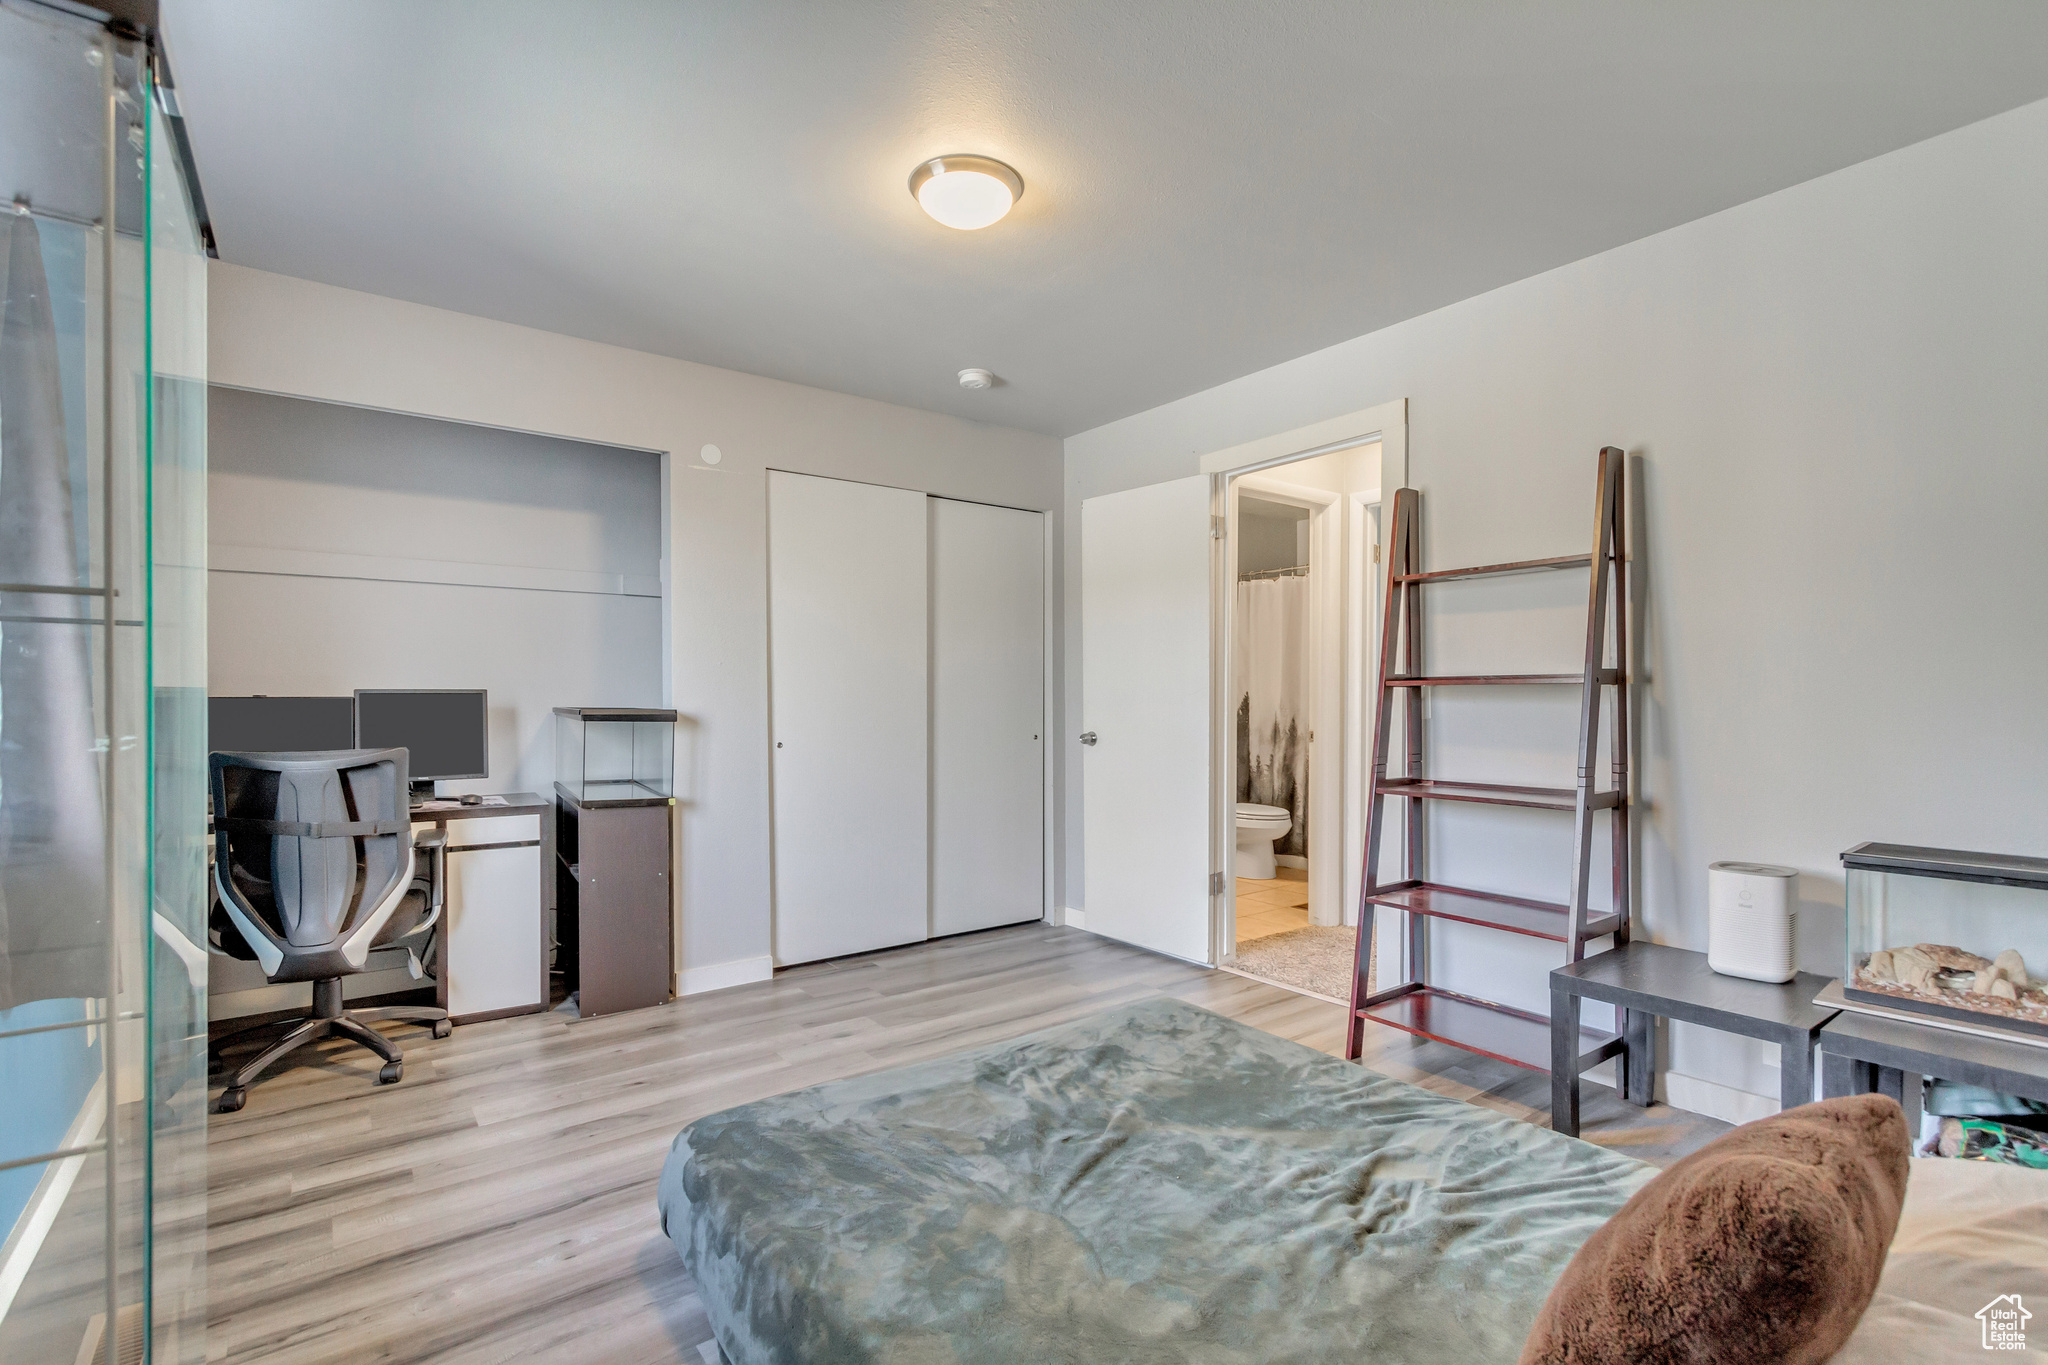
x: 1155, y: 1183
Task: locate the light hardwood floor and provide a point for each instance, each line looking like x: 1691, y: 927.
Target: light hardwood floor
x: 498, y: 1204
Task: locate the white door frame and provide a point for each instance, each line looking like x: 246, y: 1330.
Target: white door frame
x: 1387, y: 426
x: 1362, y: 607
x: 1054, y: 684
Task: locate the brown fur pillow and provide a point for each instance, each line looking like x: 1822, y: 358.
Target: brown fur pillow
x: 1763, y: 1246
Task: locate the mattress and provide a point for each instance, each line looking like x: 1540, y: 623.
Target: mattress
x: 1151, y: 1184
x: 1971, y: 1233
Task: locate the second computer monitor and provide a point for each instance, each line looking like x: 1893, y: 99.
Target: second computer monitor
x: 447, y: 733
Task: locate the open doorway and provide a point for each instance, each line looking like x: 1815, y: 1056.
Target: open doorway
x: 1295, y: 628
x: 1156, y: 741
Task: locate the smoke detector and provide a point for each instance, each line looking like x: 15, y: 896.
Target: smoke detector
x: 977, y: 378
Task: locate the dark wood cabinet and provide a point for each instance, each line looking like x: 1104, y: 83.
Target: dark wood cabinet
x: 613, y: 877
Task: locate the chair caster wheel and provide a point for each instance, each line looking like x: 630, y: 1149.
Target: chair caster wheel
x: 390, y: 1073
x: 442, y: 1028
x: 230, y: 1100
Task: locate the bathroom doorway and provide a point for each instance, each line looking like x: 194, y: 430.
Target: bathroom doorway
x: 1296, y: 622
x: 1156, y: 739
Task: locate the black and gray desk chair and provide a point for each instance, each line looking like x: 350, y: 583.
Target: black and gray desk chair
x: 316, y: 864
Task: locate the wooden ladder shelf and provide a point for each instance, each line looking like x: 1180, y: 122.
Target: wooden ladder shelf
x: 1415, y: 1005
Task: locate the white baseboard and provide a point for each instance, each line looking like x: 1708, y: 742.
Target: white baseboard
x: 26, y: 1239
x: 720, y: 975
x: 1697, y: 1095
x: 1072, y: 918
x: 1291, y: 860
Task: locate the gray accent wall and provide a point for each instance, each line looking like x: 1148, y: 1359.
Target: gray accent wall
x: 1837, y: 396
x: 356, y: 548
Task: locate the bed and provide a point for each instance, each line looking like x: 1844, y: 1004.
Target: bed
x: 1971, y: 1231
x: 1154, y: 1183
x: 1158, y: 1183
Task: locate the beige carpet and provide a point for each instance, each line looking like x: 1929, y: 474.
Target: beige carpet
x: 1316, y: 960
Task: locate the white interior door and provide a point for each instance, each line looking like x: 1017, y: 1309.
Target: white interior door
x: 1145, y: 669
x: 988, y: 714
x: 847, y: 691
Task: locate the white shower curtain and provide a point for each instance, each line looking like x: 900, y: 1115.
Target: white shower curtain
x: 1269, y: 668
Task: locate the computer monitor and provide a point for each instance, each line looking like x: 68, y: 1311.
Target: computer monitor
x: 279, y: 724
x: 448, y: 733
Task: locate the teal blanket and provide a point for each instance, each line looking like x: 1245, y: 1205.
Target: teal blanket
x: 1155, y: 1183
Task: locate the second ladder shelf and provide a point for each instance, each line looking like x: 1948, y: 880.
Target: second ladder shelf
x: 1418, y: 1004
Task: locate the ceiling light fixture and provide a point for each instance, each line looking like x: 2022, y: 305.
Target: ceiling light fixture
x: 966, y: 192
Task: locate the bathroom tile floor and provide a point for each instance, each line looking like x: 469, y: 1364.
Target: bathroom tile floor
x: 1272, y: 907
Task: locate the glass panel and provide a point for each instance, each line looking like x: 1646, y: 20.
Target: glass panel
x: 176, y: 277
x: 102, y: 627
x: 654, y: 756
x: 60, y: 1265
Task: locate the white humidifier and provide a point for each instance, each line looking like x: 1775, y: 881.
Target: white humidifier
x: 1749, y: 920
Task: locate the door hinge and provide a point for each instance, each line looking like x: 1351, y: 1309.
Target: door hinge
x: 1216, y: 883
x: 1217, y: 527
x: 1375, y: 552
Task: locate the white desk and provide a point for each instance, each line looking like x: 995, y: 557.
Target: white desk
x: 493, y: 954
x: 492, y: 958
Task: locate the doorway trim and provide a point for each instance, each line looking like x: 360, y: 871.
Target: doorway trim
x: 1385, y: 424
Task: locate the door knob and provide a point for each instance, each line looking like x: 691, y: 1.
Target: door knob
x: 1088, y: 738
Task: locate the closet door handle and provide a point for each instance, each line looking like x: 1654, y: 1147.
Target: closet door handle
x: 1088, y: 738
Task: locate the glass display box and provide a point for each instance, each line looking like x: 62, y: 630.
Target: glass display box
x: 103, y: 829
x: 1954, y: 935
x: 615, y: 755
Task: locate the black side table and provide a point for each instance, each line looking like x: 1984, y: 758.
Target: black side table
x: 1863, y: 1054
x: 1650, y: 979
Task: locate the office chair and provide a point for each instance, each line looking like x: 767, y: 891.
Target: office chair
x: 316, y: 864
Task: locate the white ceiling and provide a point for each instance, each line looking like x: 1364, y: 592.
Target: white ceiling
x: 1212, y: 186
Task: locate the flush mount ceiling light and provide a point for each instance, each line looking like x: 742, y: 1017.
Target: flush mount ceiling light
x: 966, y: 192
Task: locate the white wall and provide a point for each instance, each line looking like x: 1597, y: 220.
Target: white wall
x: 281, y: 335
x: 1838, y: 396
x: 1270, y: 536
x: 355, y: 548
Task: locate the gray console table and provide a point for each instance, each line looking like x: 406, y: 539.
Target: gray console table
x: 1651, y: 980
x: 1863, y: 1054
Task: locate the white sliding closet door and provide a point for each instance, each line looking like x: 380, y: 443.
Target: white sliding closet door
x: 988, y: 710
x: 1145, y: 697
x: 847, y: 606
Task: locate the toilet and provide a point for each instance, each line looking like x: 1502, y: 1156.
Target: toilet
x: 1257, y: 828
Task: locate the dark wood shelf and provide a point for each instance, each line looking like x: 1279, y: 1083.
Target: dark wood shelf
x: 1506, y: 1035
x: 1498, y: 570
x: 1513, y: 914
x: 1606, y: 676
x: 1492, y: 793
x: 1510, y: 1035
